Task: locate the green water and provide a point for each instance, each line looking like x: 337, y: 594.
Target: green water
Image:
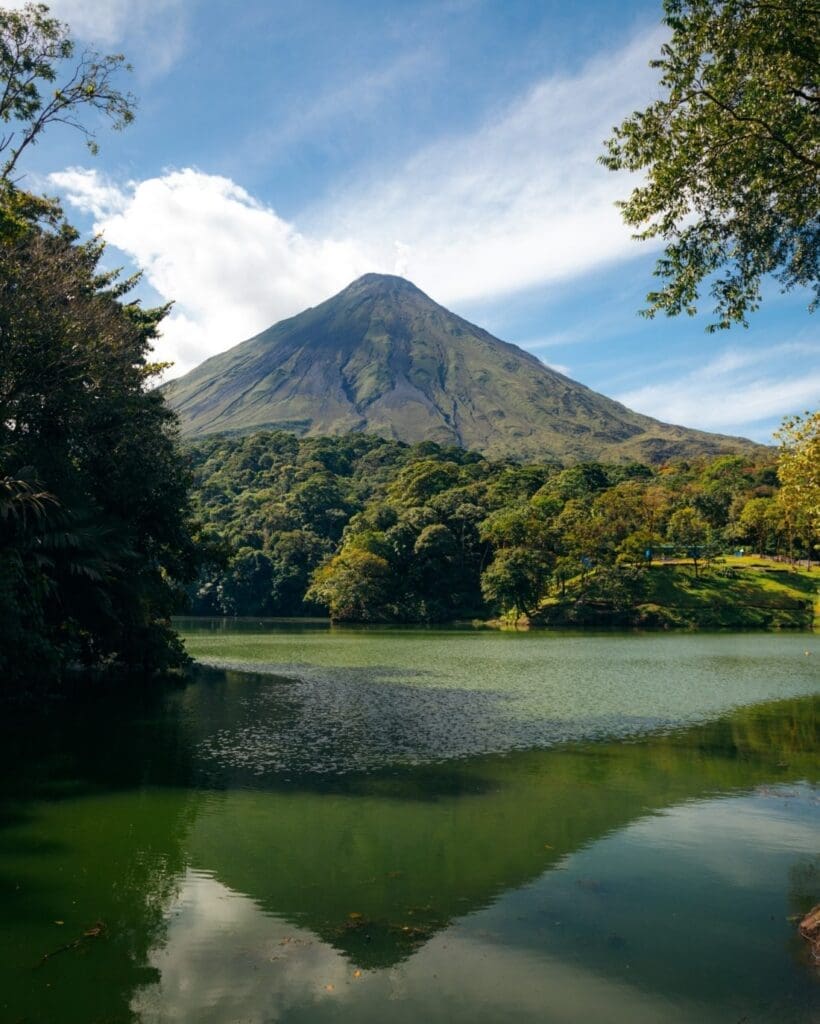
x: 347, y: 825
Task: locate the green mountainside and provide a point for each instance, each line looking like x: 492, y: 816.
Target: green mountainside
x: 383, y: 358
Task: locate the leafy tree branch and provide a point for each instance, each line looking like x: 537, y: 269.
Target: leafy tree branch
x: 35, y: 50
x: 730, y: 156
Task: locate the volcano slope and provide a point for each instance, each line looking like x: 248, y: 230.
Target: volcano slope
x: 383, y: 358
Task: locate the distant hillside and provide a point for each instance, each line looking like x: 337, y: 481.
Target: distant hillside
x: 383, y: 358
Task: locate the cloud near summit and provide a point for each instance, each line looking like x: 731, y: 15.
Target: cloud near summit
x: 518, y: 202
x: 231, y: 265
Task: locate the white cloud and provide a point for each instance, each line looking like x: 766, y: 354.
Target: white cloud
x: 730, y: 393
x: 521, y: 201
x: 598, y: 324
x: 271, y: 967
x: 154, y: 29
x: 224, y: 958
x: 735, y: 823
x: 231, y: 265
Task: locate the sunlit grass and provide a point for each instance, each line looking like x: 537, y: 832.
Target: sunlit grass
x: 748, y: 592
x: 736, y: 592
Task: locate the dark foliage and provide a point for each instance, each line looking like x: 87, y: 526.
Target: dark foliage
x: 94, y: 533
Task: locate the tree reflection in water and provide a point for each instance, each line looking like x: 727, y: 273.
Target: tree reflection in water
x: 640, y: 876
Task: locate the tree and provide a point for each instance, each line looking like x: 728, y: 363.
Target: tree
x: 294, y: 554
x: 417, y: 483
x: 798, y: 469
x: 689, y: 530
x: 248, y: 584
x: 355, y: 586
x: 621, y: 511
x: 516, y: 579
x: 96, y: 541
x: 35, y: 52
x: 731, y: 154
x: 524, y: 540
x: 583, y: 537
x: 760, y: 519
x: 519, y: 525
x: 638, y: 548
x: 100, y: 568
x: 24, y: 510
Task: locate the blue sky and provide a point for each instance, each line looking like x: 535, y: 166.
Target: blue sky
x: 282, y: 149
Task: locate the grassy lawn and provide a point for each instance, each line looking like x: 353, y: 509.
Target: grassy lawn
x: 731, y: 593
x: 748, y: 591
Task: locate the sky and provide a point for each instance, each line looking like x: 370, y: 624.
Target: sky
x: 282, y: 149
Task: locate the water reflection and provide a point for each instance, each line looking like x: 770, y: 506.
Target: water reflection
x: 408, y: 850
x: 616, y: 931
x: 278, y: 972
x: 641, y: 880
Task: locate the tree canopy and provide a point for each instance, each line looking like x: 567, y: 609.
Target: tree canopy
x: 730, y: 155
x: 95, y: 535
x: 799, y: 473
x: 394, y: 532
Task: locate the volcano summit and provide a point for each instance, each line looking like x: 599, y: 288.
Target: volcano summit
x: 381, y: 357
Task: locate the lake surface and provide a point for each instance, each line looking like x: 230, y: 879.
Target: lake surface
x: 420, y: 825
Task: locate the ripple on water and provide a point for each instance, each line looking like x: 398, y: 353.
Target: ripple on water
x: 327, y: 703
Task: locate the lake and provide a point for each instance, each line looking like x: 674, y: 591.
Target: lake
x: 454, y: 825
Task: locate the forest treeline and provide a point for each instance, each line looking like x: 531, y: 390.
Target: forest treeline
x: 372, y: 530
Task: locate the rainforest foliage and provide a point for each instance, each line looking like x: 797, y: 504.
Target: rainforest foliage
x: 375, y: 530
x: 95, y: 542
x: 95, y: 538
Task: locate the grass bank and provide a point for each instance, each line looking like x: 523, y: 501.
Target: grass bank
x: 735, y: 593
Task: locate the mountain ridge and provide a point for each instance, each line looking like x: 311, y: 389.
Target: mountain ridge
x: 382, y: 357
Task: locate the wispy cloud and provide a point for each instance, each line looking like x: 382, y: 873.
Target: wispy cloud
x: 519, y: 202
x: 353, y: 99
x: 560, y: 367
x: 592, y: 328
x: 736, y: 391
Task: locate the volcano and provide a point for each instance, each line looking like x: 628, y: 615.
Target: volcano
x: 383, y: 358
